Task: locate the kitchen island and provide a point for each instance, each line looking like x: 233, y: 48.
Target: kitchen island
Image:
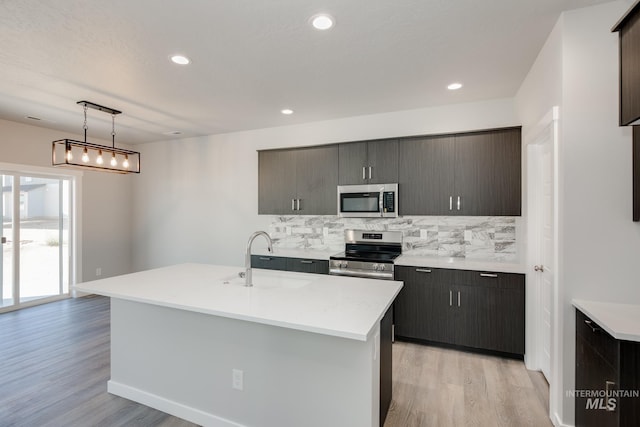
x: 294, y: 349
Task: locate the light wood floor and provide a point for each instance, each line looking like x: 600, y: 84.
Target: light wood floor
x: 54, y: 367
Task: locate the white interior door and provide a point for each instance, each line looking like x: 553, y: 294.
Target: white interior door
x: 546, y: 268
x: 542, y: 143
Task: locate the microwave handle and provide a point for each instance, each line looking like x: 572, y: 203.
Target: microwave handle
x: 381, y: 202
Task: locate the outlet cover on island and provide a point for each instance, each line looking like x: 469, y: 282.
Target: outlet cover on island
x: 98, y: 271
x: 238, y: 379
x: 468, y: 235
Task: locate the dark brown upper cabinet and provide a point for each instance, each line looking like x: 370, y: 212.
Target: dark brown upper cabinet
x: 629, y: 29
x: 477, y: 173
x: 299, y: 181
x: 368, y: 162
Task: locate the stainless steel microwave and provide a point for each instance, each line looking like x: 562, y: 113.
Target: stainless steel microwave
x: 368, y: 201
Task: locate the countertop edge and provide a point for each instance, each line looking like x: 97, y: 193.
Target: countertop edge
x: 600, y: 311
x: 287, y: 325
x: 409, y: 260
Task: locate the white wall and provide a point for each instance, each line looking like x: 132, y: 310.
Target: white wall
x: 578, y: 70
x: 106, y: 198
x: 197, y: 199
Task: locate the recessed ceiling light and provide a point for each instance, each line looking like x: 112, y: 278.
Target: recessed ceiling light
x: 454, y: 86
x: 173, y: 132
x: 180, y: 59
x: 322, y: 21
x: 286, y: 111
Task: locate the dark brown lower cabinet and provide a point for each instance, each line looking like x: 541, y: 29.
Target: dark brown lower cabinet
x: 466, y: 308
x: 308, y: 265
x: 317, y: 266
x: 605, y: 367
x: 386, y: 364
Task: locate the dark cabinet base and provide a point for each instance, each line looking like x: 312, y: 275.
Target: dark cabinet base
x: 515, y: 356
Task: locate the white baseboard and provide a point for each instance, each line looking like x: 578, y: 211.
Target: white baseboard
x: 170, y: 407
x: 557, y: 422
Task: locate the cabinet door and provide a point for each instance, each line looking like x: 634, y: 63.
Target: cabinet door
x: 592, y: 372
x: 317, y: 180
x: 466, y: 316
x: 276, y: 181
x: 491, y: 310
x: 426, y: 175
x: 422, y: 308
x: 382, y: 158
x: 352, y: 163
x: 308, y: 265
x: 630, y: 70
x: 488, y: 173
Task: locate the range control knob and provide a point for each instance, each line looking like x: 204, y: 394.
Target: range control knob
x: 382, y: 267
x: 376, y: 267
x: 344, y: 264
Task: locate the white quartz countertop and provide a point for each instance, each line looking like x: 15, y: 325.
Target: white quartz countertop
x: 461, y: 263
x: 330, y: 305
x: 622, y: 321
x: 410, y: 260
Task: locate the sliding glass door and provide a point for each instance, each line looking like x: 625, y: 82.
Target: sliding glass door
x: 37, y: 241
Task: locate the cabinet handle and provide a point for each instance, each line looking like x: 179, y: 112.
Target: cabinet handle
x: 458, y: 202
x: 607, y: 389
x: 458, y: 298
x: 293, y: 204
x: 364, y: 172
x: 369, y: 172
x: 450, y: 203
x: 305, y: 261
x: 450, y: 298
x: 298, y: 204
x: 488, y: 275
x: 423, y: 270
x: 594, y: 328
x: 264, y: 258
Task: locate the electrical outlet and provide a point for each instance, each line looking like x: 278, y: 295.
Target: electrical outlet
x: 98, y: 271
x: 237, y: 379
x: 468, y: 235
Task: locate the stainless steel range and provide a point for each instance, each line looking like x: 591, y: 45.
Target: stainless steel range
x: 367, y: 254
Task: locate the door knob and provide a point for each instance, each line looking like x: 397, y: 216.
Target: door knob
x: 539, y: 268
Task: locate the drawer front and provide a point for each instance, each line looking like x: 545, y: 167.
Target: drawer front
x: 317, y: 266
x: 596, y: 337
x: 269, y: 262
x: 490, y: 279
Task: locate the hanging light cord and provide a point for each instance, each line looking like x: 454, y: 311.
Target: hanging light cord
x: 85, y: 127
x: 113, y: 130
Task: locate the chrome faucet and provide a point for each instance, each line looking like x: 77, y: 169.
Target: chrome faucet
x: 247, y: 257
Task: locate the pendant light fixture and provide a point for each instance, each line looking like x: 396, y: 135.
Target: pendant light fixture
x: 69, y: 152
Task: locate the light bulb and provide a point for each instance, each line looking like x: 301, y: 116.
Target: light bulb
x: 99, y: 158
x: 69, y: 155
x: 85, y: 155
x: 125, y: 162
x: 114, y: 162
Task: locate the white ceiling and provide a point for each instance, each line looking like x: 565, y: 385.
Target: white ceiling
x: 252, y: 58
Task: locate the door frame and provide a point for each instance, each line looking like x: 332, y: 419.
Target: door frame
x: 549, y: 124
x: 75, y: 224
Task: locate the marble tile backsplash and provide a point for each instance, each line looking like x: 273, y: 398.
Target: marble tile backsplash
x: 490, y: 238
